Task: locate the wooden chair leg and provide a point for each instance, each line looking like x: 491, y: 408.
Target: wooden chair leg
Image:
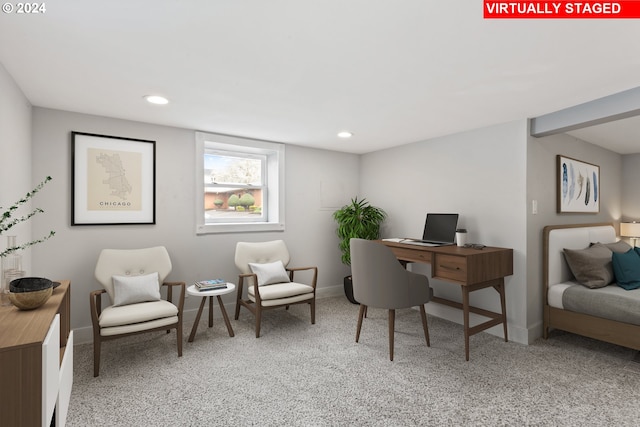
x: 258, y: 319
x: 96, y: 356
x: 179, y: 338
x: 392, y: 321
x: 313, y: 311
x: 366, y: 311
x: 423, y: 314
x: 361, y: 312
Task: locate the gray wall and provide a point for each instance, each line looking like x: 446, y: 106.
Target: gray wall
x: 541, y: 186
x: 479, y: 174
x: 490, y: 176
x: 630, y: 188
x: 15, y: 153
x: 72, y: 253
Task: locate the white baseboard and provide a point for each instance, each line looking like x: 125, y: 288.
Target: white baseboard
x: 84, y: 334
x: 454, y: 315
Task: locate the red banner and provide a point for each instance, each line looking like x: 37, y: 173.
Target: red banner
x: 561, y: 10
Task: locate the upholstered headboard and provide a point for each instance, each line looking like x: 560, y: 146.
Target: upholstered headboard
x: 575, y: 236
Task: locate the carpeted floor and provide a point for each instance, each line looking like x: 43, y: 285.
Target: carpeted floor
x: 298, y: 374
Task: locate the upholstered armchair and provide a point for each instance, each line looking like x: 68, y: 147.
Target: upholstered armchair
x: 269, y: 283
x: 380, y: 281
x: 132, y: 279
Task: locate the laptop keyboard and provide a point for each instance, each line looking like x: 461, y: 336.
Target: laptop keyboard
x: 413, y: 242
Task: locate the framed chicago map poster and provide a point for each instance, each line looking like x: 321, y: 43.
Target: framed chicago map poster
x: 113, y: 180
x: 578, y: 187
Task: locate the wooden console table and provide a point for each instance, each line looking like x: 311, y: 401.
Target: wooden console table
x: 472, y: 269
x: 36, y: 361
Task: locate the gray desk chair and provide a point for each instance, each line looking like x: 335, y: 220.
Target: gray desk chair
x: 380, y: 281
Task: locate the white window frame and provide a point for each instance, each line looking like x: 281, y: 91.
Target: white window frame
x: 275, y: 166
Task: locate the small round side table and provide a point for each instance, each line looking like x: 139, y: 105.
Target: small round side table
x: 193, y: 290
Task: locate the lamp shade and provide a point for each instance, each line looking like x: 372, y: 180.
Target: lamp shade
x: 630, y: 229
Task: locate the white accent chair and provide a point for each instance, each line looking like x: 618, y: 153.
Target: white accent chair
x: 274, y: 295
x: 379, y: 280
x: 155, y: 315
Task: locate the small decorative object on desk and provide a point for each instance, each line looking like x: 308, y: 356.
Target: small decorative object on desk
x: 474, y: 246
x: 211, y: 285
x: 461, y: 236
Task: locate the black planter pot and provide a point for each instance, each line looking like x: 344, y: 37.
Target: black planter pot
x: 348, y: 289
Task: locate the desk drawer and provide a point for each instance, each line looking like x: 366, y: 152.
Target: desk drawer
x: 450, y: 267
x: 413, y: 255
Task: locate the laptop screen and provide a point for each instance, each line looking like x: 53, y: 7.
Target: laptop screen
x: 440, y: 227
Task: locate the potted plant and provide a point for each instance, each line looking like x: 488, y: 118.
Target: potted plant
x: 360, y: 220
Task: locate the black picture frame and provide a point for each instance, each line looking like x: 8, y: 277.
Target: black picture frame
x: 578, y: 186
x: 113, y: 180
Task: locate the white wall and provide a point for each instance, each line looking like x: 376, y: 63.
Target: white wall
x: 72, y: 253
x: 15, y: 155
x: 479, y: 174
x: 541, y: 186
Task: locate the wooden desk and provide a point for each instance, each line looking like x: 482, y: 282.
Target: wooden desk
x: 472, y: 269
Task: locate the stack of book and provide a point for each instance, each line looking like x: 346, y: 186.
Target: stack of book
x: 211, y: 285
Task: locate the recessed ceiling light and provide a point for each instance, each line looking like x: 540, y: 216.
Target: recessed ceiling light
x: 155, y: 99
x: 345, y: 134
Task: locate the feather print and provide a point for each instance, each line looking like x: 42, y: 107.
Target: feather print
x: 595, y: 188
x: 572, y: 178
x: 565, y: 181
x: 580, y: 184
x: 587, y: 192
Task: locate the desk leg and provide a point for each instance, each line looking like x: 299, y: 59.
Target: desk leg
x: 500, y: 288
x: 465, y: 313
x: 226, y: 318
x: 195, y: 324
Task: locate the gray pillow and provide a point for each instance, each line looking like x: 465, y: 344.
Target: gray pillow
x: 591, y: 266
x: 619, y: 247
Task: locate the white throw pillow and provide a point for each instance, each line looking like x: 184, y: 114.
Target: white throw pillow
x: 133, y: 289
x: 270, y: 273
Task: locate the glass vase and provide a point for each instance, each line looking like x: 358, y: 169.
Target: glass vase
x: 11, y: 270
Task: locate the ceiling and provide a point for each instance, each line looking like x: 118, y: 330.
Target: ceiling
x: 620, y: 136
x: 300, y: 71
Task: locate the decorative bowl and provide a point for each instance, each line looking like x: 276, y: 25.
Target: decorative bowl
x: 28, y: 293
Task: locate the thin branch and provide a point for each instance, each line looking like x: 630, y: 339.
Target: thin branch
x: 7, y: 221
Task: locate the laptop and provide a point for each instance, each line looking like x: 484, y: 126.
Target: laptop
x: 439, y: 230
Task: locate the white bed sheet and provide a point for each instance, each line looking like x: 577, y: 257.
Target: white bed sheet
x: 555, y: 293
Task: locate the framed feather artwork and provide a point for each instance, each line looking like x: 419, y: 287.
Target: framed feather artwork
x: 578, y: 186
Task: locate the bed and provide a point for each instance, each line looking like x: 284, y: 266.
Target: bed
x: 609, y: 313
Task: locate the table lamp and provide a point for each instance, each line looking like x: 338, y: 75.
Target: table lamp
x: 631, y: 230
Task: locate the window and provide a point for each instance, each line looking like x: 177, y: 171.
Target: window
x: 239, y: 184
